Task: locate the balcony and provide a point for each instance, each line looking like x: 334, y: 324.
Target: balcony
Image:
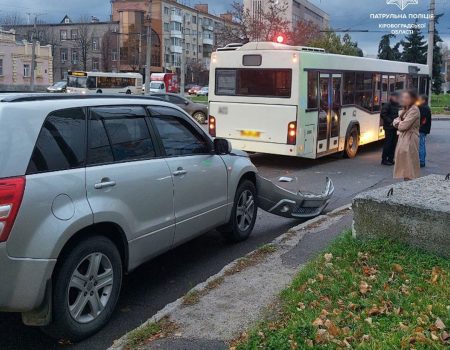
x: 208, y: 41
x: 176, y: 34
x: 176, y: 18
x: 176, y: 49
x: 208, y: 28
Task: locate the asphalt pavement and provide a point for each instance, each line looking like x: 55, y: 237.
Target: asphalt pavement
x: 170, y: 276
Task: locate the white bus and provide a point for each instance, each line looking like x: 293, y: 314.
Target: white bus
x: 278, y: 99
x: 104, y: 82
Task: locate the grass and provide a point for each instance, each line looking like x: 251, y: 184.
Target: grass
x: 361, y: 295
x: 439, y: 102
x: 149, y: 332
x: 199, y: 99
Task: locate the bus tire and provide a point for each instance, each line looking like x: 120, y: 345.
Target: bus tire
x: 352, y: 143
x: 128, y: 92
x: 99, y: 91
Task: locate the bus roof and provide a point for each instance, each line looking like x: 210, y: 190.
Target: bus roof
x: 107, y: 74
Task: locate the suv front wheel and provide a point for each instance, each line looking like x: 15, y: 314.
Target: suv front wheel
x: 243, y: 215
x: 86, y: 287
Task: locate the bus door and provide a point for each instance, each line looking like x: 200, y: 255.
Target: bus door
x: 329, y: 118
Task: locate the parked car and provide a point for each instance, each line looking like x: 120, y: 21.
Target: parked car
x: 198, y: 111
x: 193, y: 90
x: 60, y: 86
x: 188, y: 87
x: 98, y: 186
x: 204, y: 91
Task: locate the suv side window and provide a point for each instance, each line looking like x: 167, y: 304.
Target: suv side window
x: 61, y: 142
x: 178, y: 136
x: 118, y: 134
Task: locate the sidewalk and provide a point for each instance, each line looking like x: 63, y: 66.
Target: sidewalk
x: 441, y: 117
x: 215, y: 312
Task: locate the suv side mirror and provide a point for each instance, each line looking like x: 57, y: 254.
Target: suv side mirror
x: 222, y: 146
x: 186, y: 102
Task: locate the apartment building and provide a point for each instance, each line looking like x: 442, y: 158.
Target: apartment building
x: 176, y: 27
x: 84, y: 44
x: 15, y: 64
x: 297, y: 10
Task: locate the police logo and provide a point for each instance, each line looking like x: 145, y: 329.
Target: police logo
x: 402, y: 4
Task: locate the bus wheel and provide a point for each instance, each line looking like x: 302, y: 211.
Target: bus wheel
x: 128, y: 92
x: 352, y: 143
x: 99, y: 91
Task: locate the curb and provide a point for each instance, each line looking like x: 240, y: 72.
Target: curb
x: 281, y: 240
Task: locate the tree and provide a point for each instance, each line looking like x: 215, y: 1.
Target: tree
x: 414, y: 47
x: 304, y: 32
x: 263, y: 25
x: 438, y: 79
x: 83, y: 42
x: 333, y: 43
x: 386, y: 52
x: 9, y: 20
x: 108, y: 44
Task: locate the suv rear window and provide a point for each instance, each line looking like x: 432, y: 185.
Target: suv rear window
x: 61, y: 142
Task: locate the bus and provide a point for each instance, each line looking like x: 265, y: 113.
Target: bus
x: 297, y: 101
x: 104, y: 82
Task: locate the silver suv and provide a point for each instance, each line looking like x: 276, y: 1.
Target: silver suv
x: 91, y: 187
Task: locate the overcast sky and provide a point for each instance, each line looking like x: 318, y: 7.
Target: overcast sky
x: 344, y: 14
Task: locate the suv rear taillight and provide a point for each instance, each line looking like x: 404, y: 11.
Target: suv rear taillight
x: 292, y: 133
x: 11, y: 194
x: 212, y: 126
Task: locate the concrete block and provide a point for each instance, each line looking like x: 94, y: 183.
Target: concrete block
x: 415, y: 212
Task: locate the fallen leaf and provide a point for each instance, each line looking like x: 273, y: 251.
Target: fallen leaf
x: 445, y: 336
x: 328, y: 257
x: 365, y: 337
x: 439, y: 324
x: 397, y: 268
x: 332, y: 329
x: 317, y: 322
x: 434, y: 336
x: 374, y: 311
x: 368, y: 320
x: 320, y: 277
x: 435, y: 272
x: 309, y: 343
x: 403, y: 327
x: 364, y: 287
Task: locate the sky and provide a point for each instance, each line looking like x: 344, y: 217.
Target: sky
x: 344, y: 14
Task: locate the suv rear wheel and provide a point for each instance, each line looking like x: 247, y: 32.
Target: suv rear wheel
x: 199, y: 117
x: 86, y: 287
x: 243, y: 215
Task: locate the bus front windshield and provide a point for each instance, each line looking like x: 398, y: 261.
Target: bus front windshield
x: 77, y: 82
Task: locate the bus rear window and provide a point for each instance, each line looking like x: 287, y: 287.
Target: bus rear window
x: 254, y: 82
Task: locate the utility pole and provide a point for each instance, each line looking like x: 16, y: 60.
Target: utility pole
x: 148, y: 61
x: 33, y: 53
x: 430, y: 53
x: 183, y: 57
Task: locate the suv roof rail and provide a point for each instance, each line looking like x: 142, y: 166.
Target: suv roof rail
x: 27, y: 97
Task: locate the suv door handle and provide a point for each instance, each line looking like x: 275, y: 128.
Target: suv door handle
x: 179, y: 172
x: 104, y: 184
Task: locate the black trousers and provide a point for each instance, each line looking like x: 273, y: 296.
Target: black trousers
x: 390, y: 142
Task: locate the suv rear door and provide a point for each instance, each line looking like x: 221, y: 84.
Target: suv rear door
x: 127, y: 181
x: 199, y: 176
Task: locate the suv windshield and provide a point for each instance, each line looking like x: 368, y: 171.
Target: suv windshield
x: 59, y: 84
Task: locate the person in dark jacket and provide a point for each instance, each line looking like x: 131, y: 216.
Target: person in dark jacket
x: 389, y: 112
x: 425, y: 127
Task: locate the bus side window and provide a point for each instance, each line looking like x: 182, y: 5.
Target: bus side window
x: 90, y: 82
x: 312, y: 90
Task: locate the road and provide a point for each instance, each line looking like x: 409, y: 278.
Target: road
x: 164, y: 279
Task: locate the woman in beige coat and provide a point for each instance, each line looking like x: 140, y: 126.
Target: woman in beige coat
x: 407, y: 165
